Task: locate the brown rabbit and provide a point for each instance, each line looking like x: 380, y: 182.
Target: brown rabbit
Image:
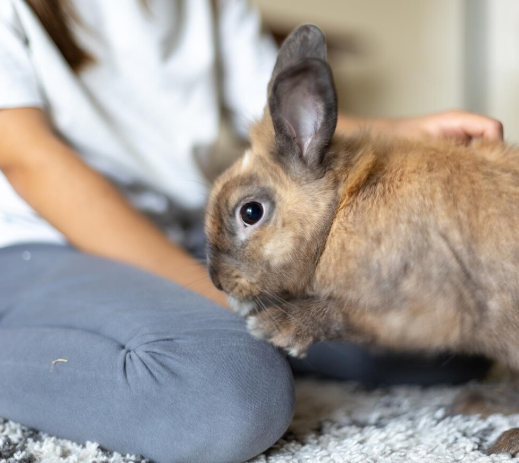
x: 402, y: 244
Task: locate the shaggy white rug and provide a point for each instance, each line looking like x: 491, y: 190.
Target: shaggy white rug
x: 334, y: 422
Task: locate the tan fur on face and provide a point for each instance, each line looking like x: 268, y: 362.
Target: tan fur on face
x: 296, y: 224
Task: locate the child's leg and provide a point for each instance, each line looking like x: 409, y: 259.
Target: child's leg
x: 95, y: 350
x: 342, y: 361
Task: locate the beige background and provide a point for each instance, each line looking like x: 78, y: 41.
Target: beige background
x: 410, y: 57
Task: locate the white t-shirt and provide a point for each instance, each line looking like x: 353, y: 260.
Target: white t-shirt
x: 148, y: 102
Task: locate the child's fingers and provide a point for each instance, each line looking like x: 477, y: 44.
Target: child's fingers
x: 471, y: 125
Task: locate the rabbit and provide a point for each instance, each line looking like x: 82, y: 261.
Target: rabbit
x: 408, y: 245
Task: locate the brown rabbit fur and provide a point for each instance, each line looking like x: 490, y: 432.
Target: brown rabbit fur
x: 396, y: 243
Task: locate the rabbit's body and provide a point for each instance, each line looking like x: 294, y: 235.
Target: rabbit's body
x: 402, y: 244
x: 407, y: 245
x: 423, y: 252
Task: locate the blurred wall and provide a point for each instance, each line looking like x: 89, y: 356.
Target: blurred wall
x: 501, y: 56
x: 409, y: 57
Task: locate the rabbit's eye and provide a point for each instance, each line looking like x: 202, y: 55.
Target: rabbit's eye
x: 251, y: 213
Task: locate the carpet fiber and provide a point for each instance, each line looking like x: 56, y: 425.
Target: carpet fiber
x: 334, y: 422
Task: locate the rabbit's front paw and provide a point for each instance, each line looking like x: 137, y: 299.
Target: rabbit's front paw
x: 281, y: 330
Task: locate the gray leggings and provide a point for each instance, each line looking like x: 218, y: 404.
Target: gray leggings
x: 95, y: 350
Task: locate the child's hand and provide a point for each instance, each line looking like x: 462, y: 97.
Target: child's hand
x: 461, y: 125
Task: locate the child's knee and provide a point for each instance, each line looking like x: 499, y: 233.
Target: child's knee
x: 226, y: 400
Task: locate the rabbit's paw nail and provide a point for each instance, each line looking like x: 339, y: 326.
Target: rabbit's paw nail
x: 293, y: 344
x: 508, y: 442
x: 297, y: 352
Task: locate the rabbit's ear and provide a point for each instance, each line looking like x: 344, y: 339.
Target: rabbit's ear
x: 303, y: 108
x: 307, y: 41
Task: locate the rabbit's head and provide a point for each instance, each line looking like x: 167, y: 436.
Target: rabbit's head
x: 269, y: 214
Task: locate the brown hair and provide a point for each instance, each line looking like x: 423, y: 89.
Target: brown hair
x: 55, y: 16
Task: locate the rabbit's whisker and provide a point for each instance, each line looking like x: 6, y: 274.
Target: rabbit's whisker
x: 269, y: 314
x: 277, y: 306
x: 282, y: 301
